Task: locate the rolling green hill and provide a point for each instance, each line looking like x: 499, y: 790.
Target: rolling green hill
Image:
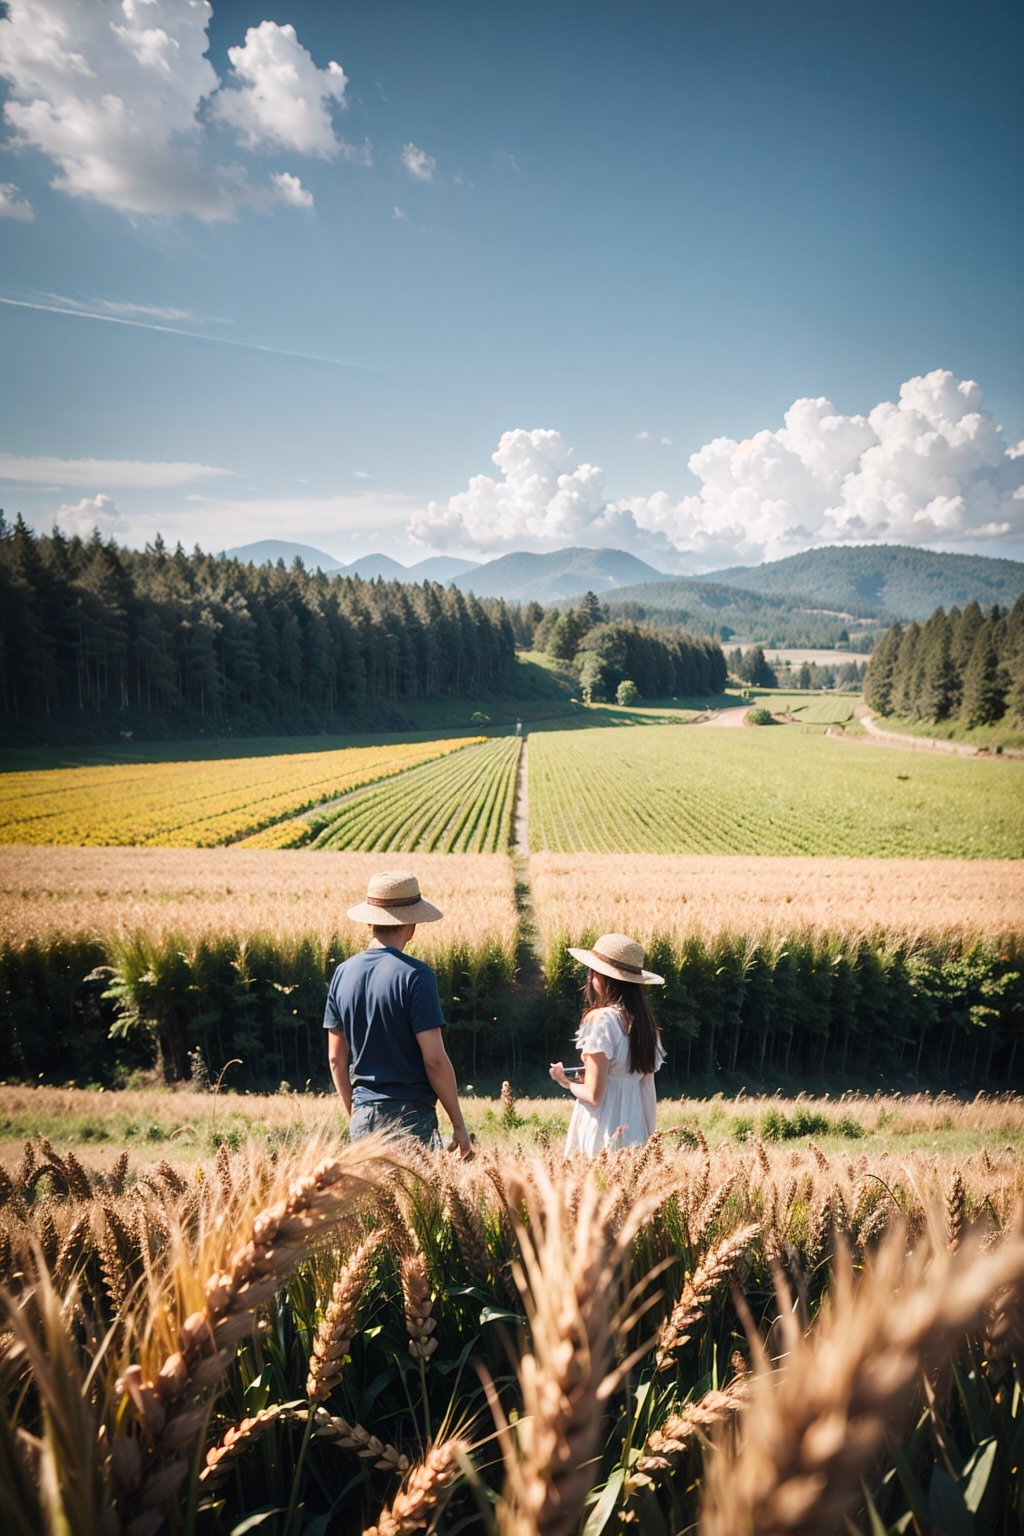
x: 565, y: 573
x: 882, y: 581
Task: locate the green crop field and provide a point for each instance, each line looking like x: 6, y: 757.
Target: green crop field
x: 465, y: 810
x: 776, y: 791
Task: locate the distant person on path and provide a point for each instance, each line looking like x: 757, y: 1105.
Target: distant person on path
x: 519, y: 727
x: 383, y: 1021
x: 621, y: 1048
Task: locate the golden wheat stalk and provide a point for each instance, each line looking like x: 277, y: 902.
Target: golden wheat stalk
x: 716, y: 1267
x: 956, y: 1210
x: 169, y: 1406
x: 681, y: 1430
x: 354, y: 1437
x: 337, y: 1328
x: 418, y: 1305
x: 813, y: 1427
x: 709, y: 1213
x: 424, y: 1487
x: 468, y: 1227
x: 567, y: 1271
x: 234, y: 1443
x: 64, y: 1461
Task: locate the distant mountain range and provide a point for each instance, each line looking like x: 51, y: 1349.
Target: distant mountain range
x: 872, y: 582
x: 565, y: 573
x: 369, y: 567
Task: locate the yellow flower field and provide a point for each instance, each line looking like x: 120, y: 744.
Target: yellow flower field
x: 191, y: 804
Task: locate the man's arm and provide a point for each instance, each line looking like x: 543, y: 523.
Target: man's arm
x: 441, y: 1076
x: 337, y: 1060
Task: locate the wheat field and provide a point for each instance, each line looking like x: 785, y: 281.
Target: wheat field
x: 746, y: 1339
x: 679, y: 896
x: 204, y: 892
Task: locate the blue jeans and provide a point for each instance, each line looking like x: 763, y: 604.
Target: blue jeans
x: 401, y: 1118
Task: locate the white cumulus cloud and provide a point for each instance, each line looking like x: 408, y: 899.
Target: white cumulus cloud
x: 418, y: 163
x: 283, y: 101
x: 114, y: 92
x: 92, y: 512
x: 13, y: 205
x: 933, y: 468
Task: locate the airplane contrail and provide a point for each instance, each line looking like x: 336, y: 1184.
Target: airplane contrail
x: 173, y: 330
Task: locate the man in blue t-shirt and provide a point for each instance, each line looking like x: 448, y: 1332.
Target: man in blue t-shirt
x: 383, y: 1021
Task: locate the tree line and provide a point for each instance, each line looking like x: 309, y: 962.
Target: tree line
x: 966, y: 666
x: 607, y: 653
x: 751, y: 666
x: 89, y: 629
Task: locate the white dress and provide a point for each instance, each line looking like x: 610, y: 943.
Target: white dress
x: 625, y: 1115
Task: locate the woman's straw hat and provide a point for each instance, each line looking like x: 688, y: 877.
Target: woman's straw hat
x: 617, y: 956
x: 392, y: 900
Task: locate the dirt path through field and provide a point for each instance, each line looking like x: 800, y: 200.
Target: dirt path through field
x: 521, y: 810
x: 726, y: 717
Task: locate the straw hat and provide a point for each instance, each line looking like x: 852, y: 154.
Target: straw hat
x: 621, y: 958
x: 393, y: 899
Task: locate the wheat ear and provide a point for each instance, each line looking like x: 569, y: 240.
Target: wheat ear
x: 423, y: 1489
x: 714, y: 1270
x: 234, y: 1443
x: 170, y: 1406
x: 353, y: 1437
x: 567, y: 1271
x: 337, y: 1329
x: 813, y: 1427
x: 680, y: 1430
x: 418, y: 1304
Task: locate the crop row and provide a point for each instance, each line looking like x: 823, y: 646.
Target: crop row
x: 461, y: 804
x: 663, y: 790
x: 190, y: 804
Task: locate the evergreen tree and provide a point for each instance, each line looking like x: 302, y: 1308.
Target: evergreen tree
x: 879, y: 680
x: 940, y: 693
x: 985, y: 682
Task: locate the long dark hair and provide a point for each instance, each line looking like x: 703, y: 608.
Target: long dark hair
x: 631, y: 997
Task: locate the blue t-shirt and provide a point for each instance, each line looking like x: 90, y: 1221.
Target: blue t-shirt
x: 381, y: 999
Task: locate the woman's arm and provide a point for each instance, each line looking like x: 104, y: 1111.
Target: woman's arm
x: 649, y: 1102
x: 595, y: 1077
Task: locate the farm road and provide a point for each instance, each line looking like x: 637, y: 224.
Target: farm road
x: 727, y: 717
x: 520, y: 809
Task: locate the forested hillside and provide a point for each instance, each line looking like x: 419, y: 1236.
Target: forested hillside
x: 889, y: 580
x: 966, y: 666
x: 705, y: 607
x: 91, y: 631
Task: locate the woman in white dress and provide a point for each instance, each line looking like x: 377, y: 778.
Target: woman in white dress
x: 621, y: 1049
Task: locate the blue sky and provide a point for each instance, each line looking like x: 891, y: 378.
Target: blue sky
x: 711, y: 282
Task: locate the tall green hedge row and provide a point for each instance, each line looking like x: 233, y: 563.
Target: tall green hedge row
x: 872, y: 1008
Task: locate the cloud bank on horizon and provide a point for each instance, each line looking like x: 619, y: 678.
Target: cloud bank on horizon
x: 934, y: 468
